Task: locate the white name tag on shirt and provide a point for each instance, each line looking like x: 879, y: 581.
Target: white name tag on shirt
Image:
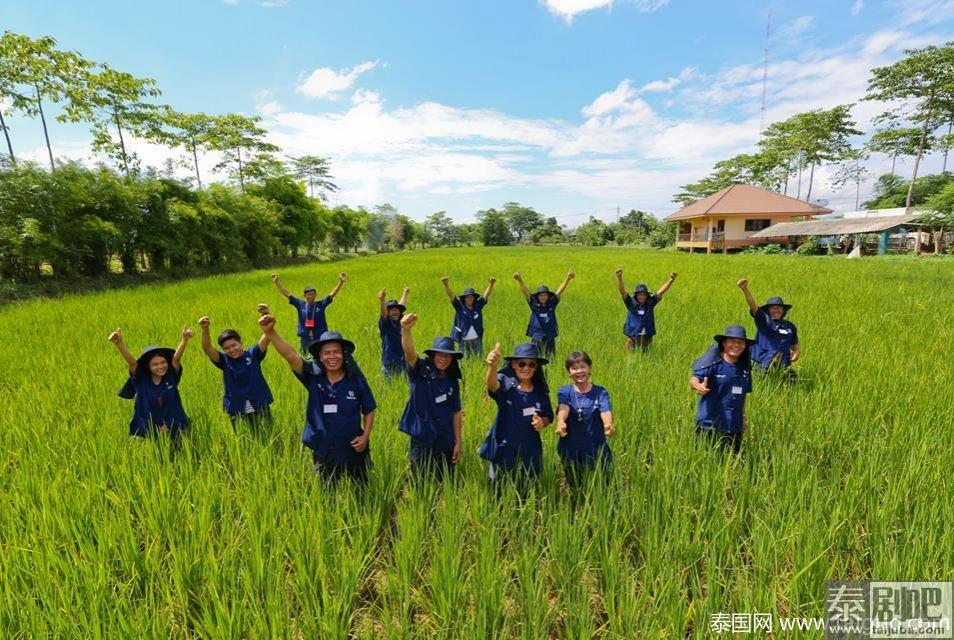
x: 737, y: 390
x: 529, y: 411
x: 441, y: 398
x: 785, y: 331
x: 331, y: 408
x: 544, y: 316
x: 641, y: 312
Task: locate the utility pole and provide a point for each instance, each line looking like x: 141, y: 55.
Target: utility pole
x: 617, y: 213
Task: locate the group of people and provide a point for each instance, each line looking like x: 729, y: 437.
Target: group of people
x: 340, y: 411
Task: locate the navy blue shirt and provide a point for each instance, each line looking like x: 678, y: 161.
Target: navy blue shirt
x: 431, y: 407
x: 245, y: 388
x: 723, y: 408
x: 333, y: 416
x: 640, y: 317
x: 585, y: 439
x: 773, y: 337
x: 392, y: 353
x: 512, y: 437
x: 465, y: 319
x: 543, y: 320
x: 155, y: 405
x: 311, y: 317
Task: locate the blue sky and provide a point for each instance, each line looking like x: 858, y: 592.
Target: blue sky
x: 574, y: 107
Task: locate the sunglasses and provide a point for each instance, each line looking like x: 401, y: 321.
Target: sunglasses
x: 526, y: 364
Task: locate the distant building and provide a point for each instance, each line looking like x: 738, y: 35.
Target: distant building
x: 728, y: 219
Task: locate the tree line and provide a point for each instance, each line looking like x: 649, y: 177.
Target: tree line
x: 919, y: 93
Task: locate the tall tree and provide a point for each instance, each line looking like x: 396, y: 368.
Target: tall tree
x: 494, y: 229
x: 234, y: 133
x: 852, y: 172
x: 920, y: 87
x: 895, y: 141
x: 192, y: 132
x: 112, y: 98
x: 51, y: 75
x: 521, y: 220
x: 314, y: 171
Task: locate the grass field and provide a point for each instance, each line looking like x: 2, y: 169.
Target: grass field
x: 845, y: 475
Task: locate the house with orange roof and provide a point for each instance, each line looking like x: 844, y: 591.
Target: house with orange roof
x: 729, y: 218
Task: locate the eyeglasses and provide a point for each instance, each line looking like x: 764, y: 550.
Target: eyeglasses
x: 526, y: 364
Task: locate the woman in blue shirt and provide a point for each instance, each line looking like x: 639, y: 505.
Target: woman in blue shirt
x: 311, y: 311
x: 432, y: 416
x: 584, y: 422
x: 542, y: 327
x: 520, y: 390
x: 776, y: 339
x: 468, y: 331
x: 640, y: 326
x: 153, y: 385
x: 246, y: 397
x: 389, y: 326
x: 340, y: 410
x: 723, y: 377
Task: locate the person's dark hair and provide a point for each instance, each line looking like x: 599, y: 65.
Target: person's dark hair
x: 228, y: 334
x: 576, y: 357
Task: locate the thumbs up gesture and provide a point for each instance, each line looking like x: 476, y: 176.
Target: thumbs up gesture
x: 702, y: 388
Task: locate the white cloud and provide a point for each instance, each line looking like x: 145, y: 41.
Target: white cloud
x: 792, y: 30
x: 569, y: 9
x: 857, y: 7
x: 273, y: 4
x: 325, y: 82
x: 670, y: 83
x: 924, y: 11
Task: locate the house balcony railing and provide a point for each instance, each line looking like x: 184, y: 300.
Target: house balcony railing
x: 701, y: 236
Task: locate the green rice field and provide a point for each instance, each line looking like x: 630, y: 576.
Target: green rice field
x: 845, y: 475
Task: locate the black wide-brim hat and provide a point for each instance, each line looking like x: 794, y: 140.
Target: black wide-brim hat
x: 527, y: 351
x: 325, y: 338
x: 775, y: 301
x: 444, y: 344
x: 394, y: 303
x: 640, y: 288
x: 154, y: 350
x: 734, y: 331
x: 469, y: 291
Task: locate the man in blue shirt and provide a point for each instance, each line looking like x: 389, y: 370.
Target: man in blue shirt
x: 389, y: 326
x: 722, y: 377
x: 542, y: 328
x: 246, y: 397
x: 776, y: 339
x: 640, y: 326
x: 311, y: 312
x: 468, y: 330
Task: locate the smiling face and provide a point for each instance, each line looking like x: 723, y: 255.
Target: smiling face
x: 580, y: 372
x: 158, y: 366
x: 776, y: 311
x: 233, y: 348
x: 543, y: 297
x: 469, y: 300
x: 332, y: 357
x: 310, y: 297
x: 734, y: 347
x: 524, y: 368
x: 442, y: 361
x: 394, y: 313
x: 641, y: 297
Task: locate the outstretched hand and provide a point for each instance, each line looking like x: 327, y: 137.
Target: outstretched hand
x: 382, y: 294
x: 262, y: 308
x: 492, y: 280
x: 267, y: 322
x: 204, y: 322
x: 275, y: 278
x: 445, y: 280
x: 619, y: 273
x: 342, y: 276
x: 409, y: 320
x: 516, y: 276
x: 672, y: 276
x: 743, y: 283
x: 116, y: 336
x: 494, y: 356
x: 187, y: 333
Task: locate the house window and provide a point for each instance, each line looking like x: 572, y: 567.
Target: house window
x: 757, y: 225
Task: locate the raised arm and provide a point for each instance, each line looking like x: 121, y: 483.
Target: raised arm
x: 619, y: 284
x: 404, y: 294
x: 206, y: 339
x: 382, y: 298
x: 445, y: 281
x: 407, y: 339
x: 263, y: 339
x: 744, y: 285
x: 523, y: 285
x: 490, y: 380
x: 187, y: 335
x: 490, y: 287
x: 341, y: 280
x: 267, y: 323
x: 116, y: 337
x: 664, y: 287
x: 281, y: 289
x: 569, y: 276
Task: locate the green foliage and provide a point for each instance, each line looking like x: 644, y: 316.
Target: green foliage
x: 664, y: 235
x: 594, y: 233
x: 766, y: 250
x: 812, y: 247
x: 103, y: 536
x: 891, y: 190
x: 494, y: 229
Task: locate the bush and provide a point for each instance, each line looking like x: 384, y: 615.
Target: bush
x: 766, y: 250
x: 811, y: 248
